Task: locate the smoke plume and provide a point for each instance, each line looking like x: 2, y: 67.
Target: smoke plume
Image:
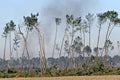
x: 59, y: 8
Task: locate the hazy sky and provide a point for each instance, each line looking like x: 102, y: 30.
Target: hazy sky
x: 49, y: 9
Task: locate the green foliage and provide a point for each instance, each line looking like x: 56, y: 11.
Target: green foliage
x: 62, y: 72
x: 77, y: 21
x: 90, y: 17
x: 2, y: 75
x: 118, y: 71
x: 10, y: 26
x: 11, y: 70
x: 66, y: 46
x: 30, y: 21
x: 98, y: 66
x: 92, y: 58
x: 74, y: 72
x: 48, y: 71
x: 16, y: 41
x: 23, y: 74
x: 58, y: 21
x: 77, y: 44
x: 12, y: 75
x: 84, y: 66
x: 69, y: 19
x: 87, y: 50
x: 96, y: 69
x: 111, y: 15
x: 2, y: 70
x: 109, y: 45
x: 6, y: 31
x: 101, y: 18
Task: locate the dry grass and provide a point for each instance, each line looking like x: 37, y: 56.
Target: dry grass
x: 71, y: 78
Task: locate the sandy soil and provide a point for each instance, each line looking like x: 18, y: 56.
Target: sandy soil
x: 71, y: 78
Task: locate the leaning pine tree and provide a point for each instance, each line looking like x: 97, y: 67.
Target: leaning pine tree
x: 5, y: 35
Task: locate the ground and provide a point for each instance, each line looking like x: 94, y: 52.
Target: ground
x: 110, y: 77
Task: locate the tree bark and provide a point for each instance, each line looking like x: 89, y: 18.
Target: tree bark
x: 83, y: 44
x: 42, y: 50
x: 106, y: 38
x: 98, y: 40
x: 43, y: 46
x: 89, y: 35
x: 4, y: 56
x: 25, y: 47
x: 54, y: 42
x: 10, y: 50
x: 71, y: 51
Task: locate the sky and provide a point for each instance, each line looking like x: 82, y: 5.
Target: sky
x: 48, y: 10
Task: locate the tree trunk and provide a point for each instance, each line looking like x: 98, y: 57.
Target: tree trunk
x: 41, y: 54
x: 17, y: 53
x: 4, y: 56
x: 25, y: 47
x: 61, y: 48
x: 71, y: 51
x: 67, y: 61
x: 54, y: 42
x: 106, y: 38
x: 22, y: 55
x: 98, y: 40
x: 89, y: 36
x: 42, y: 50
x: 17, y: 56
x: 29, y: 65
x: 65, y: 35
x: 110, y: 32
x: 10, y: 50
x: 83, y: 44
x: 43, y: 46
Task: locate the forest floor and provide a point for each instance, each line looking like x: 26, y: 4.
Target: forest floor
x: 108, y: 77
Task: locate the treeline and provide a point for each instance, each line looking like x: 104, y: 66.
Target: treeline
x: 89, y: 67
x: 114, y: 62
x: 73, y: 42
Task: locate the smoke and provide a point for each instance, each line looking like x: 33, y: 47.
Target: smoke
x: 59, y: 8
x: 56, y: 8
x: 52, y: 9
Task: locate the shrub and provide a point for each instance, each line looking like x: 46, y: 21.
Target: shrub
x: 11, y: 70
x: 2, y: 70
x: 62, y: 72
x: 73, y: 72
x: 23, y: 74
x: 99, y: 66
x: 12, y: 75
x: 2, y: 75
x: 84, y: 66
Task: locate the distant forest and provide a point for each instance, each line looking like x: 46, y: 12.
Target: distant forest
x: 35, y: 62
